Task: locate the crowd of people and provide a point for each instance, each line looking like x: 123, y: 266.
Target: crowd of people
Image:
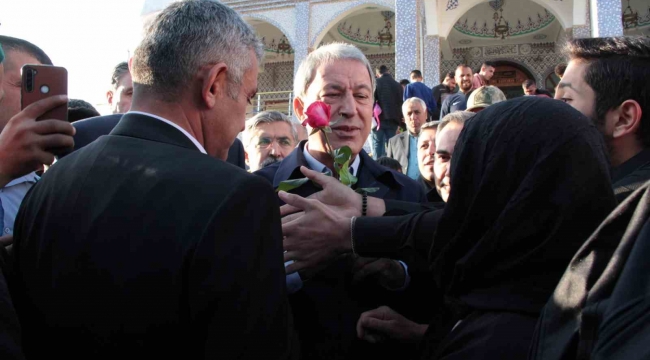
x: 490, y: 228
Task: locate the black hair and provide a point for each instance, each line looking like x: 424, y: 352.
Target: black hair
x: 417, y: 73
x: 618, y: 69
x: 14, y: 44
x: 79, y: 110
x: 389, y: 163
x: 119, y: 71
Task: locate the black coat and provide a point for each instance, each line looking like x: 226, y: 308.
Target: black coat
x: 631, y: 175
x: 328, y: 306
x: 388, y: 94
x: 89, y: 130
x: 139, y: 244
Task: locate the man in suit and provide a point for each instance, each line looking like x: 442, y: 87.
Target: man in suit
x: 388, y: 94
x: 327, y: 307
x: 269, y: 137
x: 404, y: 147
x: 120, y: 95
x: 146, y: 241
x: 89, y: 130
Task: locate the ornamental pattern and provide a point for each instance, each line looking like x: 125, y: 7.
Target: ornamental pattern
x: 487, y: 31
x: 384, y: 37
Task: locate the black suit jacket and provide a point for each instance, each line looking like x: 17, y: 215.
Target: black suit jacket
x: 388, y: 94
x: 89, y: 130
x: 139, y: 243
x: 328, y: 306
x: 398, y: 149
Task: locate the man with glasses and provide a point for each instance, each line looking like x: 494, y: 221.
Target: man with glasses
x: 268, y: 138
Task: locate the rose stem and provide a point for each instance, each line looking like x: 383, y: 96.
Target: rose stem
x: 331, y: 151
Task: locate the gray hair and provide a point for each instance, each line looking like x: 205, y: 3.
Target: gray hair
x: 326, y: 54
x: 186, y: 36
x: 414, y: 100
x: 457, y: 117
x: 267, y: 117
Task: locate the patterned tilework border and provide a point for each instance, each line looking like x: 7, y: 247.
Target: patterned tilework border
x: 584, y: 31
x: 325, y: 14
x: 608, y: 19
x: 538, y: 65
x: 432, y: 60
x: 302, y: 34
x: 406, y: 38
x: 277, y: 76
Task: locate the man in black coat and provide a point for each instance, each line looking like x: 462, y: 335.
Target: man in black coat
x: 327, y: 307
x: 388, y: 94
x: 143, y: 244
x: 89, y: 130
x: 607, y: 80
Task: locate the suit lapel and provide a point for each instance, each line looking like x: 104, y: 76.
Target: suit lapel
x: 369, y: 175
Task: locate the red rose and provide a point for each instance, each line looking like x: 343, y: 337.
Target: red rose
x: 318, y: 115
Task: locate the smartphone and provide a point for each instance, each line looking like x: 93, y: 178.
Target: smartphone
x: 42, y: 81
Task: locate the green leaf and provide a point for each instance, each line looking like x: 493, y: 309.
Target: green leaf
x: 344, y: 175
x: 289, y: 185
x: 313, y: 131
x: 327, y: 129
x: 342, y: 155
x: 368, y: 190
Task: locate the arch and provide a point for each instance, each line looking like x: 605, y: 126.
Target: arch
x: 341, y: 14
x: 518, y: 64
x: 275, y: 23
x: 446, y: 24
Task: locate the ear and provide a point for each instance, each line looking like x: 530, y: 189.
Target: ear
x: 628, y: 118
x: 109, y: 97
x: 214, y: 84
x: 299, y: 108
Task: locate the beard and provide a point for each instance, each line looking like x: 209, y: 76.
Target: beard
x: 271, y: 159
x: 465, y: 86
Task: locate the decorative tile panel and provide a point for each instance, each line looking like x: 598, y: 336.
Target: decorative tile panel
x: 431, y: 60
x: 607, y: 21
x: 284, y: 19
x: 406, y: 32
x: 301, y: 47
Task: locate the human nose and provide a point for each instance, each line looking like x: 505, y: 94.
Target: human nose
x: 348, y: 105
x: 275, y: 148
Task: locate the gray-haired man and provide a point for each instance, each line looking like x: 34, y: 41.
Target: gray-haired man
x: 268, y: 138
x: 151, y: 243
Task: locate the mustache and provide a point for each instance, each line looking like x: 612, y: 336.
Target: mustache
x: 270, y: 160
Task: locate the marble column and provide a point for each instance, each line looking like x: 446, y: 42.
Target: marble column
x: 606, y: 18
x: 301, y: 47
x: 406, y: 35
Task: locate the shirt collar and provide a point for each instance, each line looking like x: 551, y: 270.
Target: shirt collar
x: 196, y: 143
x: 320, y: 167
x: 31, y: 177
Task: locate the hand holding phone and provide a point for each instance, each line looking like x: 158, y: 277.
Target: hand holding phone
x: 26, y: 144
x: 43, y: 81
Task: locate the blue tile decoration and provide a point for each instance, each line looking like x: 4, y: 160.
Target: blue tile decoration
x: 406, y: 38
x: 608, y: 19
x: 302, y: 34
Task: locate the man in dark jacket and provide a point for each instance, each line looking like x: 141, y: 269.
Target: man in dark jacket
x: 150, y: 242
x: 388, y: 94
x: 327, y: 307
x: 593, y: 84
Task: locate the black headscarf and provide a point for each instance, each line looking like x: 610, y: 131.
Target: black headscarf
x: 530, y: 181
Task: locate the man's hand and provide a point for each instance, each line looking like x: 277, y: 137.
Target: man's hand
x: 314, y: 239
x: 384, y: 323
x: 339, y: 197
x: 26, y: 144
x: 388, y: 273
x: 6, y: 240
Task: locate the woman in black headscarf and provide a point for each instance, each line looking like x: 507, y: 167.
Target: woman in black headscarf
x: 530, y: 182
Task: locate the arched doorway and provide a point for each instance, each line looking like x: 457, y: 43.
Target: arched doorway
x: 509, y: 76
